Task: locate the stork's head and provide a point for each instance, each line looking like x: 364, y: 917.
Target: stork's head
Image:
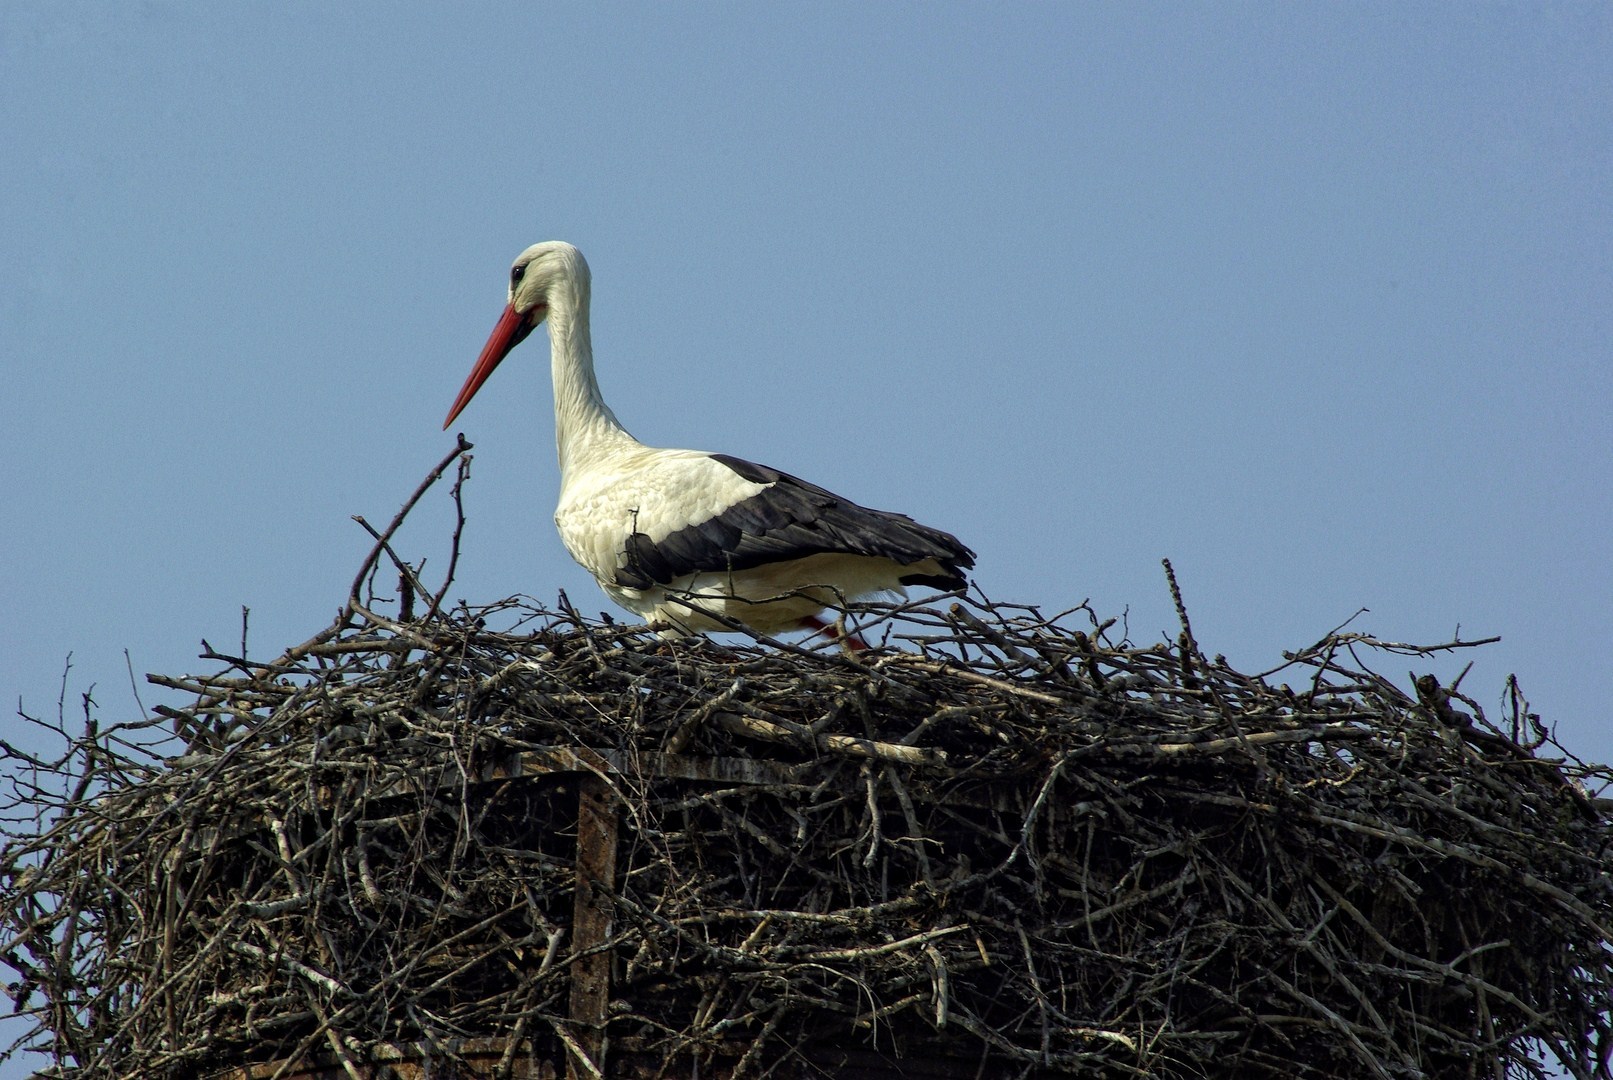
x: 543, y: 270
x: 549, y: 275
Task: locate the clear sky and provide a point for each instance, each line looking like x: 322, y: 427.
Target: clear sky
x: 1315, y: 300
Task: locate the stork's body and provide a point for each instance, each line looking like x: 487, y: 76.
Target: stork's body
x: 671, y: 534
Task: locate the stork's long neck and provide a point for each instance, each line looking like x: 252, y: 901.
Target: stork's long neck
x: 586, y: 431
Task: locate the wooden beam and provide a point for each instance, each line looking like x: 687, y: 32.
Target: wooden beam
x: 591, y: 925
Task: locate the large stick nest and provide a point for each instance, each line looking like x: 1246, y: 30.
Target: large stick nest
x: 1017, y: 843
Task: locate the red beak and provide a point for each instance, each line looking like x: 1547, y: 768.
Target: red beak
x: 512, y: 329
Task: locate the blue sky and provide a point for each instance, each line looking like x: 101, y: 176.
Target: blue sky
x: 1312, y: 299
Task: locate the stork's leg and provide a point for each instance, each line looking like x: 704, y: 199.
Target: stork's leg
x: 850, y: 641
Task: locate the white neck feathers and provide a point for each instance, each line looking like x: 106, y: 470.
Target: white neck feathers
x: 585, y: 428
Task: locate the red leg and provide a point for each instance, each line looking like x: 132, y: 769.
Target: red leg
x: 850, y: 641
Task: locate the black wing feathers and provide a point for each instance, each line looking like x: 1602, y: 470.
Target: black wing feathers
x: 791, y: 519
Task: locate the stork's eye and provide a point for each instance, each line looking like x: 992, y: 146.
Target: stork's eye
x: 517, y: 273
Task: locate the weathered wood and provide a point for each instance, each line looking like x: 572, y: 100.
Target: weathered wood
x: 591, y: 924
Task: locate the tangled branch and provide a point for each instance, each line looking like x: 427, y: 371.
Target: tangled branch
x: 1001, y: 839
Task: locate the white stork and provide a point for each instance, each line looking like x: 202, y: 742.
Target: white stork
x: 672, y: 533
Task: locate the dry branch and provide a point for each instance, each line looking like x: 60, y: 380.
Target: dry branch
x: 1001, y: 840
